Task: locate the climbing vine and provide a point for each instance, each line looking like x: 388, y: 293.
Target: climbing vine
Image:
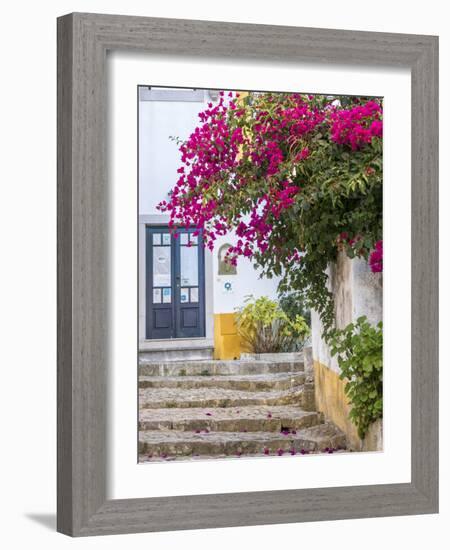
x: 359, y: 348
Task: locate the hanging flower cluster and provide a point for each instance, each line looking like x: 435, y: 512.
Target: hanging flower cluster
x: 284, y: 125
x: 228, y: 153
x: 358, y: 125
x: 289, y: 173
x: 209, y: 156
x: 376, y: 258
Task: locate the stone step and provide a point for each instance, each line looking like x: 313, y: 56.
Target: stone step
x: 166, y: 444
x: 218, y: 367
x: 178, y: 353
x: 231, y: 419
x: 283, y: 356
x: 161, y: 398
x: 250, y: 382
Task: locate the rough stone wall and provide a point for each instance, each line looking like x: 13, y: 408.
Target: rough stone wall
x: 356, y: 291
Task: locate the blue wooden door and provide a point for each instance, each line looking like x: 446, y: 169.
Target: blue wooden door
x: 175, y: 284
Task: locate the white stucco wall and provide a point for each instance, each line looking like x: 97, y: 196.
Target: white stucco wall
x: 159, y: 160
x: 356, y: 291
x: 159, y: 157
x: 246, y: 282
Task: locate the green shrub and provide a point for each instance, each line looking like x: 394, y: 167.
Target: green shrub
x: 266, y: 328
x: 359, y: 347
x: 293, y: 303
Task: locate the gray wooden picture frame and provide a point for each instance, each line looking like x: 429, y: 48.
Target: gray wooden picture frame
x: 83, y: 41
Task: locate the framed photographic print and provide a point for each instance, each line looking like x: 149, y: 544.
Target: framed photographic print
x: 247, y: 274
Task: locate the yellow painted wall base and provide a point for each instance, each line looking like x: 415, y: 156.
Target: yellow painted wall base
x: 332, y: 401
x: 227, y: 343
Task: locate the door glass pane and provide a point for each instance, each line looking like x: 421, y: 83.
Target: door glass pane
x: 183, y: 238
x: 156, y: 238
x: 166, y: 238
x: 184, y: 295
x: 161, y: 266
x: 189, y: 265
x: 156, y: 295
x: 194, y: 294
x: 194, y: 239
x: 167, y: 295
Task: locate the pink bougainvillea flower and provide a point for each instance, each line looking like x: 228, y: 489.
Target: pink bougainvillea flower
x: 376, y: 258
x: 269, y: 415
x: 266, y: 450
x: 293, y: 452
x: 280, y: 452
x: 358, y: 125
x: 208, y: 414
x: 304, y: 154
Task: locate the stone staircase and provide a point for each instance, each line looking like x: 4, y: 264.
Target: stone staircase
x: 251, y: 407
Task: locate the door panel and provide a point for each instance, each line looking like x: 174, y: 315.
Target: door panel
x: 190, y: 312
x: 175, y: 285
x: 159, y: 283
x: 189, y: 317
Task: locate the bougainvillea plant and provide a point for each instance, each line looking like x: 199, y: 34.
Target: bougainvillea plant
x: 297, y: 177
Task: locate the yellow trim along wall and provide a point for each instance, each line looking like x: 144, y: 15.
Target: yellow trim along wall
x: 227, y: 343
x: 332, y: 401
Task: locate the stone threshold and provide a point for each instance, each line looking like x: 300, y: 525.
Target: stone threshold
x: 176, y: 344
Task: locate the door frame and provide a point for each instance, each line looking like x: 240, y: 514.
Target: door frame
x: 208, y: 339
x: 175, y: 308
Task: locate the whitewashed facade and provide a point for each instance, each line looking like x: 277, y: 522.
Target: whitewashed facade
x: 164, y: 115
